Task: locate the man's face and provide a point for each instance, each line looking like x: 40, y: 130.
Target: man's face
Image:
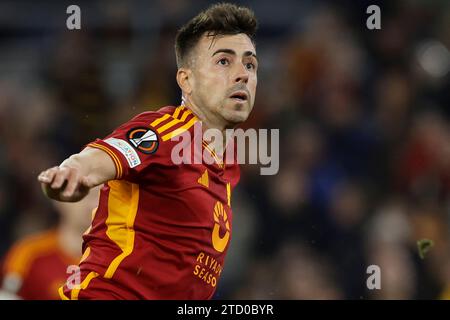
x: 224, y: 77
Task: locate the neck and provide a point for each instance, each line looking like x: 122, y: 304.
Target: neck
x: 211, y: 121
x: 208, y: 119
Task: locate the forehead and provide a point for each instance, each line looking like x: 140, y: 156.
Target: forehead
x: 240, y: 43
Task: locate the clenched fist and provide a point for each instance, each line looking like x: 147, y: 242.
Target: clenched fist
x: 64, y: 184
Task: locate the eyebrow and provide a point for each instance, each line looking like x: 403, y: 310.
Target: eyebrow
x: 232, y: 52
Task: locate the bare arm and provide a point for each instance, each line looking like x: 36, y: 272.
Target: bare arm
x: 72, y: 180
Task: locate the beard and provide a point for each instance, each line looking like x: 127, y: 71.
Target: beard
x: 235, y: 113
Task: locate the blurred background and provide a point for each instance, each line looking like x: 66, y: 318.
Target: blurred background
x: 364, y: 133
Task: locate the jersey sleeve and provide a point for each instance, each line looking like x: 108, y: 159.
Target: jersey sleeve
x: 134, y: 146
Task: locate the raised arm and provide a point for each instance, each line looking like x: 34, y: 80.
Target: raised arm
x: 73, y: 178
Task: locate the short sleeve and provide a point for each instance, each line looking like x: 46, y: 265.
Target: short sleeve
x: 133, y: 146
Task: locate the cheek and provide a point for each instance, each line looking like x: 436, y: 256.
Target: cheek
x: 252, y: 86
x: 209, y: 86
x: 211, y: 78
x: 209, y: 91
x: 213, y: 84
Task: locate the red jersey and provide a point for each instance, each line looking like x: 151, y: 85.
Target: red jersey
x: 161, y: 230
x: 35, y: 267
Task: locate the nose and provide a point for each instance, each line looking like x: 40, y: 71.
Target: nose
x: 241, y: 74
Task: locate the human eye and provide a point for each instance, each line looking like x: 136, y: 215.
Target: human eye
x: 250, y: 66
x: 223, y: 62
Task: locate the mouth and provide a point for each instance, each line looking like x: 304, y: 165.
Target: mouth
x: 240, y: 96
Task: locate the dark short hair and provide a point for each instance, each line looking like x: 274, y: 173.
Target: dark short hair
x: 218, y: 19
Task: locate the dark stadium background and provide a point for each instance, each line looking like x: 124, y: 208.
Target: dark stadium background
x: 364, y: 133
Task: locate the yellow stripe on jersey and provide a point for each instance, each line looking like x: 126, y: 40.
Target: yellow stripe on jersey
x: 75, y: 292
x: 61, y: 294
x: 229, y: 193
x: 122, y: 208
x: 86, y: 254
x: 213, y: 153
x: 159, y: 120
x: 179, y: 130
x: 113, y: 156
x: 173, y: 122
x: 176, y: 119
x: 177, y: 111
x: 185, y: 115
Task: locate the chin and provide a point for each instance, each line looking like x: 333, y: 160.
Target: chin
x: 237, y: 113
x: 236, y: 117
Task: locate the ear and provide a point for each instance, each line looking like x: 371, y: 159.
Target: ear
x: 184, y: 80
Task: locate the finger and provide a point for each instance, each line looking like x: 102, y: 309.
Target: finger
x: 47, y: 176
x: 60, y: 178
x: 43, y: 178
x: 72, y: 184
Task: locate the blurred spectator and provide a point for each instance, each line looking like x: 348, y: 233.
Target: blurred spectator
x: 364, y: 135
x: 36, y: 266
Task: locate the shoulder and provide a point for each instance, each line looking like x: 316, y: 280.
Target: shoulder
x: 166, y: 123
x: 147, y: 138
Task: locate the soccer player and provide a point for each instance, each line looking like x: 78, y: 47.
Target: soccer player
x: 161, y: 230
x: 36, y: 266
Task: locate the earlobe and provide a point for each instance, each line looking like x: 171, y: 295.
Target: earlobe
x: 184, y: 80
